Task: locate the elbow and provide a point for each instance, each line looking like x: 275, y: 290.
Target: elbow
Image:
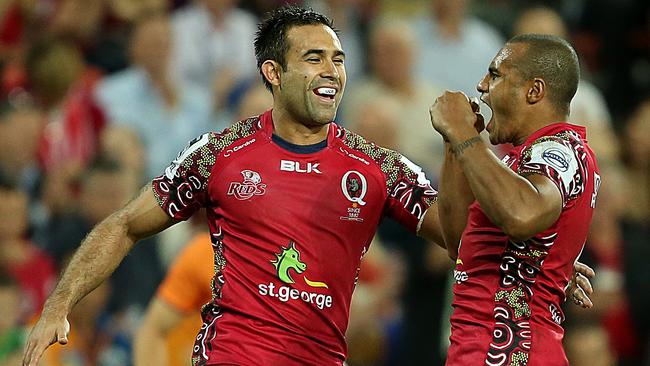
x: 518, y: 228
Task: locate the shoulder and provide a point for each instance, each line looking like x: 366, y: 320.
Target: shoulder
x: 201, y: 153
x: 359, y: 144
x: 553, y: 150
x: 392, y: 164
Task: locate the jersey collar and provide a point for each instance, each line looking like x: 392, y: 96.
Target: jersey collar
x: 555, y: 128
x: 266, y: 120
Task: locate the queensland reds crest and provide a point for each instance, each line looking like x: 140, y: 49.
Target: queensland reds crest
x: 251, y: 186
x: 354, y: 187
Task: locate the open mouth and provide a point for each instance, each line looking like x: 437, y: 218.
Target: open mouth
x: 327, y: 94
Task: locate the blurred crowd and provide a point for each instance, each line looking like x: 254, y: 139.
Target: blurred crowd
x: 97, y: 97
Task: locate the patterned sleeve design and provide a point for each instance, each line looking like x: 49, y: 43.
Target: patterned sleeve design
x: 409, y: 191
x: 182, y: 189
x: 561, y: 158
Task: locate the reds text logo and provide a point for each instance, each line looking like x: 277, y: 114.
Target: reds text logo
x: 251, y: 186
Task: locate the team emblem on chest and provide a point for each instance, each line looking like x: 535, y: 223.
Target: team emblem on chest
x: 354, y: 187
x: 251, y: 186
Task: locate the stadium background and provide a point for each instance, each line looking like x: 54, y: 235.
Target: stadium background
x: 98, y: 96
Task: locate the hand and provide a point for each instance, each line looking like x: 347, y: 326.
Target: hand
x: 579, y: 287
x: 46, y: 332
x: 453, y: 115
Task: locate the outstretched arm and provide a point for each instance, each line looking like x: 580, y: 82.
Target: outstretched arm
x: 97, y: 257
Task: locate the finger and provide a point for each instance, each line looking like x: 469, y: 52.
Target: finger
x: 581, y: 298
x: 476, y: 107
x: 584, y: 269
x: 479, y: 125
x: 62, y: 333
x: 584, y: 284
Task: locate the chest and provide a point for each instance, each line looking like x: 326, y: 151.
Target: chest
x: 269, y: 186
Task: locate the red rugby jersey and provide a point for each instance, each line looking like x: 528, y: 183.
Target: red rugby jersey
x: 507, y: 294
x: 289, y: 230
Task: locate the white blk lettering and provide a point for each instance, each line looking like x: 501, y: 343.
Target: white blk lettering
x: 295, y: 166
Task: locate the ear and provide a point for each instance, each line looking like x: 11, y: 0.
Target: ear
x: 537, y: 91
x: 271, y: 71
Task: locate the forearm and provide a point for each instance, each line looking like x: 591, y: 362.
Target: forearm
x: 99, y: 254
x: 454, y: 198
x: 508, y: 199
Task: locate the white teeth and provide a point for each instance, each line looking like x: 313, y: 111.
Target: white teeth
x: 326, y: 91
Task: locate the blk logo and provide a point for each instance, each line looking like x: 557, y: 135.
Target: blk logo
x: 296, y: 166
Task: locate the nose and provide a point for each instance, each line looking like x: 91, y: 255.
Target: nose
x: 330, y: 70
x: 482, y: 86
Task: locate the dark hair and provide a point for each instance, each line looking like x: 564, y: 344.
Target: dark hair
x: 271, y: 41
x: 102, y: 164
x: 553, y: 59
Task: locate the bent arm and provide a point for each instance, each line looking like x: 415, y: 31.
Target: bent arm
x: 149, y: 343
x: 520, y: 206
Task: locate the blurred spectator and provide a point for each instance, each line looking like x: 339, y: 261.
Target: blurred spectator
x: 391, y: 44
x: 256, y: 100
x: 122, y: 144
x: 31, y: 268
x: 375, y: 306
x: 63, y: 86
x: 211, y: 46
x: 21, y: 20
x: 454, y: 47
x: 101, y: 28
x: 377, y: 119
x: 588, y: 345
x: 146, y: 99
x: 637, y: 221
x: 172, y: 320
x: 21, y: 126
x: 105, y: 187
x: 13, y: 333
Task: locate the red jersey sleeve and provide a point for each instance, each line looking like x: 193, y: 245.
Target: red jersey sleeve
x: 182, y: 189
x: 409, y: 193
x: 556, y: 159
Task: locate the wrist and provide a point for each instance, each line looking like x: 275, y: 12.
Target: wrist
x: 458, y: 147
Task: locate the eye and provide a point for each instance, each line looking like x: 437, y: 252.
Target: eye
x: 339, y: 61
x: 313, y: 60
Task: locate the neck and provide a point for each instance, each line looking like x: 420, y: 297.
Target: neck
x: 536, y: 121
x: 296, y: 132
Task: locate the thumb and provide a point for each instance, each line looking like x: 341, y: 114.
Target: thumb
x: 62, y: 332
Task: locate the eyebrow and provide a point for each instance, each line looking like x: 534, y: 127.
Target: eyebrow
x: 322, y: 52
